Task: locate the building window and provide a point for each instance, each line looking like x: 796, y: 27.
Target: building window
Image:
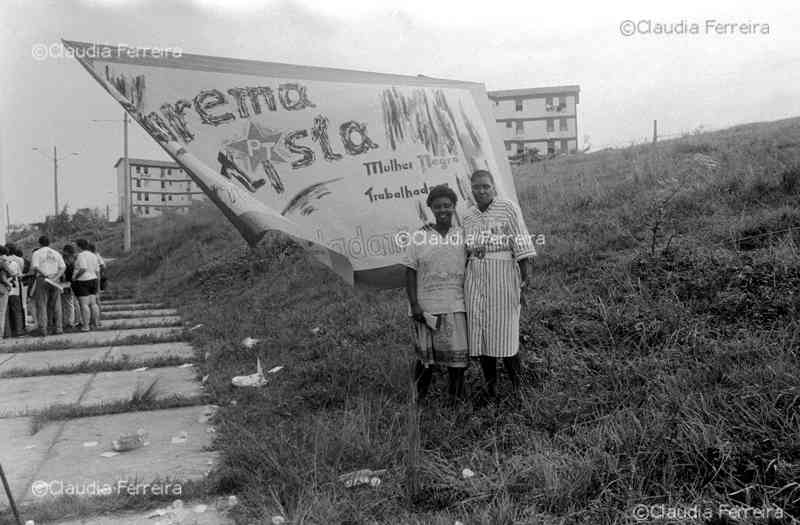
x: 562, y: 124
x: 520, y: 148
x: 520, y: 127
x: 162, y: 172
x: 518, y: 105
x: 508, y: 146
x: 163, y: 184
x: 163, y: 198
x: 169, y: 171
x: 146, y: 170
x: 138, y: 196
x: 549, y: 102
x: 562, y: 103
x: 170, y: 197
x: 551, y: 147
x: 147, y: 210
x: 138, y: 183
x: 508, y: 124
x: 564, y: 145
x: 147, y: 196
x: 138, y: 169
x: 550, y: 125
x: 188, y: 186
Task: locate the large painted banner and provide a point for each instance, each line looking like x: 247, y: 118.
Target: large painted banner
x: 342, y: 161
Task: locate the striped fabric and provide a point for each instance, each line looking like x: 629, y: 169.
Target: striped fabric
x: 492, y: 286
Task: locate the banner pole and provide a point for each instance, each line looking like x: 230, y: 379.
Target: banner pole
x: 10, y: 497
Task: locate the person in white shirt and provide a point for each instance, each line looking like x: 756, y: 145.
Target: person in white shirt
x: 15, y: 318
x: 5, y: 286
x: 48, y: 266
x: 101, y: 278
x: 85, y: 283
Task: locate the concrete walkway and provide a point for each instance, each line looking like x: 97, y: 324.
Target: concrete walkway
x: 98, y: 372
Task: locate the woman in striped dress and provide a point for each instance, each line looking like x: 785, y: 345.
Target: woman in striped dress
x: 499, y: 252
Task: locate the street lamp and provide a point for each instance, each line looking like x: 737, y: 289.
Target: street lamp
x: 55, y: 158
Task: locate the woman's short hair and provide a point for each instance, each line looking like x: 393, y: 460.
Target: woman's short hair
x: 481, y: 173
x: 83, y: 244
x: 442, y: 190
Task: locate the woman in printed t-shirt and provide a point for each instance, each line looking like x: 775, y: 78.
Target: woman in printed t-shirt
x: 435, y: 262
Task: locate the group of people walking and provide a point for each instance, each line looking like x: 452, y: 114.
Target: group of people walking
x: 60, y: 290
x: 464, y: 286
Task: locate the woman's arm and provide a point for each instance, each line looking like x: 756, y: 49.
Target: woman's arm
x: 525, y: 269
x: 411, y: 291
x: 77, y: 270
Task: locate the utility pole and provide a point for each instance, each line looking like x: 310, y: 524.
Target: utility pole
x: 655, y: 131
x: 128, y: 190
x: 55, y: 181
x: 55, y: 160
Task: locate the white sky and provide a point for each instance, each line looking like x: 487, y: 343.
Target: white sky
x: 684, y: 81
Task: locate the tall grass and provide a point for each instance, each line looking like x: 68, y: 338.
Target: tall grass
x: 660, y: 341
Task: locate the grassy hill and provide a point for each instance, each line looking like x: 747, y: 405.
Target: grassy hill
x: 660, y: 343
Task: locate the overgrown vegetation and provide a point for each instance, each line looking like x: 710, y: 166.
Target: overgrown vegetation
x: 660, y: 341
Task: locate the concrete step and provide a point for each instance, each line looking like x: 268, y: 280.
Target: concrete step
x: 21, y: 396
x: 129, y: 306
x: 60, y: 456
x: 142, y: 322
x: 132, y: 354
x: 128, y: 314
x: 195, y: 513
x: 120, y: 300
x: 94, y: 338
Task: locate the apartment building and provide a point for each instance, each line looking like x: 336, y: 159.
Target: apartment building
x: 156, y: 186
x: 544, y: 118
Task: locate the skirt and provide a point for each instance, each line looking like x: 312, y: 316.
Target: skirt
x: 447, y: 345
x: 84, y: 288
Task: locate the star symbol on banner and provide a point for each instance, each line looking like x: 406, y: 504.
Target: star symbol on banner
x: 259, y: 145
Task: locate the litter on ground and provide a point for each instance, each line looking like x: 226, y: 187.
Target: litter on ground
x: 362, y: 477
x: 126, y: 442
x: 249, y: 342
x: 253, y: 380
